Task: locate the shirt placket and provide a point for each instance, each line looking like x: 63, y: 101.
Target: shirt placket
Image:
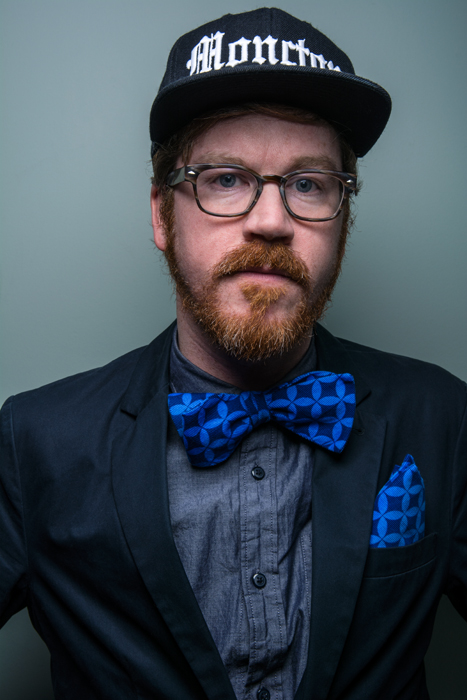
x: 259, y: 562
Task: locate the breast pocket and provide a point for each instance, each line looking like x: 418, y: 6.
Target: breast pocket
x: 391, y: 561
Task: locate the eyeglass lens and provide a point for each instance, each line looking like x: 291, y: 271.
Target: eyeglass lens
x: 229, y: 191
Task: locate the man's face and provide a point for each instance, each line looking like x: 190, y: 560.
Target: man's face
x: 249, y: 282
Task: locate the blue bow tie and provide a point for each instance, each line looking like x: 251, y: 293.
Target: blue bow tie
x: 319, y: 406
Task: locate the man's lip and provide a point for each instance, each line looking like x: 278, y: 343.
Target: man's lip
x: 265, y: 271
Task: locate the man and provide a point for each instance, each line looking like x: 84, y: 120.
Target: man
x: 248, y: 507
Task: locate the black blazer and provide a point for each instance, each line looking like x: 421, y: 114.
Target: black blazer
x: 86, y: 541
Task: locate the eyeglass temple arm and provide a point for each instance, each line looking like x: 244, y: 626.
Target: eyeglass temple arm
x: 176, y: 177
x: 350, y: 185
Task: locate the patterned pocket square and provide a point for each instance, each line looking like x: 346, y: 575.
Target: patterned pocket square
x: 399, y: 510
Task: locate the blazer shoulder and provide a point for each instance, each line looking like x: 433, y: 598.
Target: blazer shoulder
x: 400, y: 367
x: 392, y: 378
x: 113, y: 374
x: 102, y: 386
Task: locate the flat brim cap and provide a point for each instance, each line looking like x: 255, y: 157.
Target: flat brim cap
x: 266, y: 55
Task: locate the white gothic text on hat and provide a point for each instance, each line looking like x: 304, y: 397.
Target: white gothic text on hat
x: 207, y: 54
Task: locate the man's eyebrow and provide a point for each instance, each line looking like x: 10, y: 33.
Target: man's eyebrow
x: 216, y: 157
x: 317, y: 162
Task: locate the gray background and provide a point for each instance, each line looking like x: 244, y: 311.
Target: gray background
x: 81, y: 282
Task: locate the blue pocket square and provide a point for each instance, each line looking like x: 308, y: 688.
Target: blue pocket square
x: 399, y: 510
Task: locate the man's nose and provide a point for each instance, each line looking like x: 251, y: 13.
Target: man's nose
x: 269, y: 219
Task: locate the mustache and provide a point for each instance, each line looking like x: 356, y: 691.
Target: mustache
x: 276, y: 256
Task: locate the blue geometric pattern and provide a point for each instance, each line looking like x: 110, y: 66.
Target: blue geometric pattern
x: 399, y: 511
x: 319, y: 406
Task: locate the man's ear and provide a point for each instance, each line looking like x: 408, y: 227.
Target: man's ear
x: 157, y: 225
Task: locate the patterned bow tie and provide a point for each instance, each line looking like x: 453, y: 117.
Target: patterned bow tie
x: 319, y: 406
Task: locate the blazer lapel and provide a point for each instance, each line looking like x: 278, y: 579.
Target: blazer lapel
x: 139, y: 480
x: 344, y: 489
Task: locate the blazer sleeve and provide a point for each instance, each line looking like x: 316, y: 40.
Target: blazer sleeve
x: 13, y: 555
x: 457, y: 581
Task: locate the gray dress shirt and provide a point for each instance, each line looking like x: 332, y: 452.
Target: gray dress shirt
x: 243, y: 532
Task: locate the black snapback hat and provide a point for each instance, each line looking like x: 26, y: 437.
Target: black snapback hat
x: 266, y: 55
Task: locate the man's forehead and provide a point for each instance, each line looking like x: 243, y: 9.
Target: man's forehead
x: 239, y: 139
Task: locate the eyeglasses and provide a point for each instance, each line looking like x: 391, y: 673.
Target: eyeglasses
x: 223, y: 189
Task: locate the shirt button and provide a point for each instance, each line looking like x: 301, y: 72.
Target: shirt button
x: 260, y: 581
x: 258, y: 472
x: 263, y: 694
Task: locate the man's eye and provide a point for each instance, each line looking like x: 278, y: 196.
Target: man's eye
x: 227, y: 180
x: 304, y: 185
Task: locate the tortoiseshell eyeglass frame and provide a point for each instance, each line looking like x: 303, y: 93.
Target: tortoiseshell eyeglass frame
x: 190, y: 173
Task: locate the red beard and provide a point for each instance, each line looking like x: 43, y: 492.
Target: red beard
x: 253, y: 337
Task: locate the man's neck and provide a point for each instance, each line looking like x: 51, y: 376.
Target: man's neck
x: 247, y: 375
